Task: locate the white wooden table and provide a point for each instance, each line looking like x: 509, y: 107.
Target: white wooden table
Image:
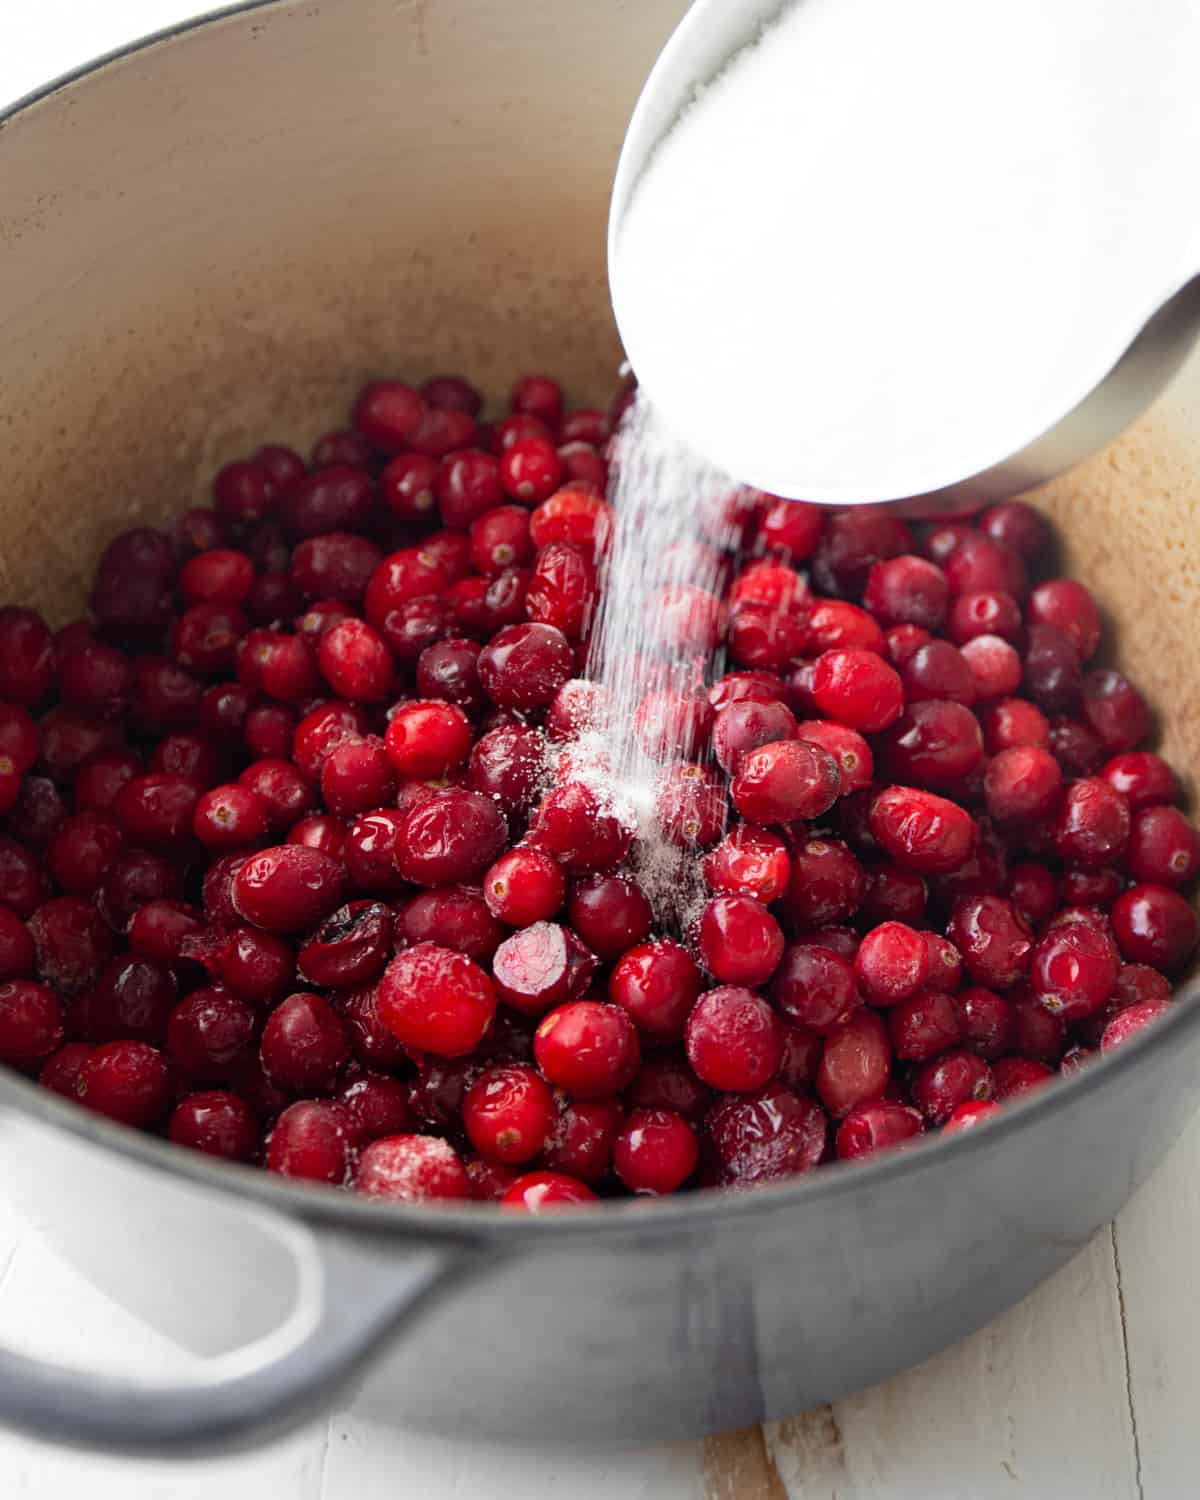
x: 1085, y: 1392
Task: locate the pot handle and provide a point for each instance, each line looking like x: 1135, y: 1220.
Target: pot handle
x: 354, y: 1295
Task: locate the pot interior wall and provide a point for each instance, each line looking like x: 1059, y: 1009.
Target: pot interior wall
x: 219, y: 237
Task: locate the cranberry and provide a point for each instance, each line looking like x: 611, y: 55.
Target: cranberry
x: 986, y: 614
x: 1093, y: 823
x: 995, y: 667
x: 853, y: 541
x: 211, y: 1034
x: 127, y: 1081
x: 1163, y: 848
x: 98, y: 780
x: 506, y: 764
x: 1017, y: 1075
x: 428, y: 739
x: 827, y: 884
x: 1011, y: 722
x: 1154, y: 925
x: 304, y: 1045
x: 82, y: 851
x: 311, y: 1140
x: 355, y: 662
x: 656, y: 1151
x: 530, y: 470
x: 935, y: 743
x: 407, y: 486
x: 336, y: 567
x: 975, y: 1112
x: 743, y: 726
x: 610, y: 914
x: 876, y: 1127
x: 350, y: 948
x: 920, y: 830
x: 891, y: 964
x: 157, y: 810
x: 216, y: 1122
x: 60, y: 1071
x: 448, y: 670
x: 436, y: 1000
x: 740, y: 942
x: 1116, y: 711
x: 857, y: 688
x: 452, y: 393
x: 1069, y: 608
x: 940, y: 1086
x: 993, y: 938
x: 288, y: 888
x: 320, y: 831
x: 73, y: 944
x: 924, y: 1025
x: 131, y: 596
x: 31, y: 1022
x: 1022, y: 784
x: 734, y: 1040
x: 587, y: 1048
x: 765, y: 639
x: 1129, y: 1022
x: 765, y: 1136
x: 541, y: 966
x: 657, y: 984
x: 524, y: 886
x: 572, y: 825
x: 894, y: 894
x: 835, y: 625
x: 243, y: 492
x: 26, y: 656
x: 357, y: 777
x: 582, y: 1136
x: 523, y: 666
x: 231, y: 817
x: 131, y: 880
x: 1142, y: 778
x: 785, y: 780
x: 902, y: 642
x: 689, y: 807
x: 453, y: 918
x: 132, y: 998
x: 374, y: 1105
x: 1074, y: 970
x: 749, y: 861
x: 907, y: 590
x: 815, y: 987
x: 369, y: 852
x: 256, y: 966
x: 451, y: 836
x: 507, y: 1113
x: 539, y: 1192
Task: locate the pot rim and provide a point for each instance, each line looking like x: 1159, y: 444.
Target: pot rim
x: 318, y: 1203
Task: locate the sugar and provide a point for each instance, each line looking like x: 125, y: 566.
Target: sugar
x: 891, y: 242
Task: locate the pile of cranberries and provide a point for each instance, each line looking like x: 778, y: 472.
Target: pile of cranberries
x: 294, y: 868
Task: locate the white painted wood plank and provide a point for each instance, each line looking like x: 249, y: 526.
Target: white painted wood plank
x: 1036, y: 1404
x: 1158, y: 1245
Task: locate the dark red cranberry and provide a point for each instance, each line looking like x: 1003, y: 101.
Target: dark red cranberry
x: 907, y: 590
x: 132, y: 998
x: 310, y: 1139
x: 988, y: 1022
x: 1022, y: 784
x: 1053, y: 675
x: 407, y: 486
x: 924, y: 1025
x: 993, y: 938
x: 573, y: 826
x: 985, y: 614
x: 1092, y: 827
x: 507, y: 764
x: 853, y: 542
x: 940, y: 1086
x: 304, y: 1044
x: 131, y: 880
x: 1154, y: 925
x: 268, y: 730
x: 448, y: 670
x: 815, y: 987
x: 244, y: 492
x: 217, y: 1122
x: 453, y: 918
x: 60, y: 1071
x: 127, y: 1081
x: 288, y: 888
x: 785, y: 780
x: 765, y: 1136
x: 936, y: 743
x: 285, y: 792
x: 452, y: 836
x: 31, y: 1022
x: 157, y: 810
x: 350, y: 948
x: 1099, y: 888
x: 210, y: 1034
x: 338, y: 565
x: 827, y: 884
x: 131, y: 597
x: 69, y: 738
x: 159, y: 929
x: 1014, y: 1076
x: 73, y: 944
x: 337, y: 498
x: 689, y: 807
x: 524, y: 666
x: 1074, y: 970
x: 369, y: 852
x: 1116, y: 711
x: 610, y: 913
x: 26, y: 656
x: 938, y: 670
x: 374, y: 1105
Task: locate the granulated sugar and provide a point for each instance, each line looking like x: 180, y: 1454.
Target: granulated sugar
x: 884, y: 248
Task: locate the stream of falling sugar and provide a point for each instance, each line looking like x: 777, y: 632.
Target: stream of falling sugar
x: 654, y: 638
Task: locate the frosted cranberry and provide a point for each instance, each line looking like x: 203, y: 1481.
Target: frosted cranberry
x: 1014, y: 1076
x: 451, y: 836
x: 38, y: 813
x: 320, y: 831
x: 288, y: 888
x: 1129, y: 1022
x: 815, y: 987
x: 541, y: 966
x: 1012, y: 722
x: 60, y: 1072
x: 26, y: 655
x: 1116, y: 711
x: 938, y: 670
x: 853, y: 541
x: 891, y: 964
x: 523, y: 666
x: 127, y: 1081
x: 428, y: 738
x: 31, y: 1022
x: 855, y: 1064
x: 357, y: 777
x: 924, y: 1025
x: 82, y: 850
x: 749, y: 861
x: 935, y: 743
x: 73, y: 944
x: 876, y: 1127
x: 689, y: 807
x: 322, y: 730
x: 286, y: 793
x: 691, y: 619
x: 785, y: 780
x: 436, y: 1000
x: 542, y: 1192
x: 1074, y: 970
x: 256, y: 966
x: 572, y: 825
x: 1022, y: 784
x: 993, y: 938
x: 765, y: 1136
x: 588, y: 1049
x: 132, y: 998
x: 210, y: 1034
x: 765, y: 639
x: 355, y: 662
x: 231, y: 817
x: 1093, y: 824
x: 304, y: 1045
x: 857, y: 688
x: 1098, y: 888
x: 976, y: 1111
x: 70, y: 738
x: 131, y: 597
x: 1052, y: 673
x: 131, y: 880
x: 1164, y: 847
x: 101, y: 776
x: 507, y: 1113
x: 940, y: 1086
x: 921, y: 830
x: 734, y: 1040
x: 894, y: 894
x: 907, y: 590
x: 524, y: 886
x: 1137, y: 983
x: 350, y: 948
x: 668, y: 722
x: 1142, y: 778
x: 310, y: 1140
x: 995, y: 667
x: 746, y: 725
x: 827, y: 884
x: 656, y: 1151
x: 988, y: 1022
x: 1154, y: 925
x: 531, y: 470
x: 374, y: 1105
x: 216, y: 1122
x: 369, y: 852
x: 656, y: 984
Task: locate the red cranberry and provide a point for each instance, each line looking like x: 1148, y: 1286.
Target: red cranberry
x: 582, y: 1136
x: 985, y: 614
x: 572, y: 825
x: 765, y: 1136
x: 355, y: 662
x: 449, y: 670
x: 1012, y: 722
x: 288, y: 888
x: 507, y: 1113
x: 1129, y: 1022
x: 374, y: 1105
x: 665, y: 1081
x: 907, y: 590
x: 749, y: 861
x: 588, y: 1049
x: 436, y: 1000
x: 785, y: 780
x: 310, y: 1140
x: 940, y: 1086
x: 26, y: 656
x: 740, y: 942
x: 853, y: 541
x: 231, y: 817
x: 815, y: 987
x: 304, y: 1045
x: 216, y: 1122
x: 132, y: 998
x: 1116, y: 711
x: 1022, y: 784
x: 524, y: 886
x: 995, y: 667
x: 73, y: 944
x: 369, y: 852
x: 450, y: 837
x: 988, y: 1022
x: 541, y: 1192
x: 935, y: 744
x: 1098, y: 888
x: 1142, y: 778
x: 1069, y: 608
x: 876, y: 1127
x: 428, y: 739
x: 127, y: 1081
x: 541, y: 966
x: 857, y: 688
x: 894, y: 895
x: 210, y: 1035
x: 891, y: 964
x: 243, y: 492
x: 610, y: 914
x: 530, y: 470
x: 1014, y: 1076
x: 256, y: 966
x: 81, y: 852
x: 993, y: 938
x: 60, y: 1071
x: 1092, y: 827
x: 575, y: 515
x: 656, y: 1151
x: 1074, y: 970
x: 925, y: 1025
x: 976, y: 1112
x: 689, y: 807
x: 356, y: 777
x: 657, y: 984
x: 1154, y: 925
x: 827, y: 884
x: 350, y: 948
x: 524, y: 666
x: 938, y: 670
x: 734, y: 1040
x: 1163, y: 848
x: 921, y: 830
x: 855, y: 1064
x: 133, y: 879
x: 31, y: 1022
x: 157, y: 810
